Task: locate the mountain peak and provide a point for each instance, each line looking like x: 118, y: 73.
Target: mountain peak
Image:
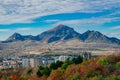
x: 61, y: 27
x: 16, y: 34
x: 19, y: 37
x: 92, y: 31
x: 15, y: 37
x: 60, y: 32
x: 95, y: 36
x: 97, y: 33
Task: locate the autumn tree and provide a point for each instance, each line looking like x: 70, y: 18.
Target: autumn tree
x: 56, y: 75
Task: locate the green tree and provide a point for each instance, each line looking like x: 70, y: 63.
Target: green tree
x: 41, y: 68
x: 91, y: 73
x: 104, y: 61
x: 38, y: 73
x: 77, y: 60
x: 53, y: 66
x: 59, y: 63
x: 69, y: 61
x: 7, y: 78
x: 76, y: 76
x: 99, y: 77
x: 113, y: 77
x: 29, y: 71
x: 117, y: 65
x: 56, y: 65
x: 65, y: 65
x: 46, y: 71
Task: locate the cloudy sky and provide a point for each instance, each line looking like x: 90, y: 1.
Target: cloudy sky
x: 31, y: 17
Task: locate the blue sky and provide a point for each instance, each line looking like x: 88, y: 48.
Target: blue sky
x: 31, y: 17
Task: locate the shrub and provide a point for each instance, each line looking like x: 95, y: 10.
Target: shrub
x: 56, y: 75
x: 29, y: 71
x: 76, y: 76
x: 41, y: 68
x: 103, y: 61
x: 38, y: 73
x: 113, y: 77
x: 65, y: 65
x: 91, y: 73
x: 7, y: 78
x: 97, y: 78
x: 117, y: 65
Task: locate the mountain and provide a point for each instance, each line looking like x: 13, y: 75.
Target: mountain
x: 19, y: 37
x: 65, y: 33
x: 15, y: 37
x: 60, y: 32
x: 95, y: 36
x: 60, y: 39
x: 115, y: 40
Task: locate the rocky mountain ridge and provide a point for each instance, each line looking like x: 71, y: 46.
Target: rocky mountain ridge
x: 63, y: 32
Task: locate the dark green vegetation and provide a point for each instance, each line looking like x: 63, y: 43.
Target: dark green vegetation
x: 101, y: 68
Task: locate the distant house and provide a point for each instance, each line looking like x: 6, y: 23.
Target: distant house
x: 51, y: 60
x: 45, y: 62
x: 63, y: 58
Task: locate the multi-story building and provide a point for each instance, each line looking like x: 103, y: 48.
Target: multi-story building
x: 48, y: 61
x: 36, y: 62
x: 25, y: 62
x: 32, y: 62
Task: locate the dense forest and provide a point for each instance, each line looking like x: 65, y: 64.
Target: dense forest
x: 100, y: 68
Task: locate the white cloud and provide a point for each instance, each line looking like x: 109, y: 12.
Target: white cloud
x: 23, y: 29
x: 95, y: 21
x: 55, y: 20
x: 114, y: 34
x: 16, y: 29
x: 115, y: 28
x: 23, y: 11
x: 4, y: 30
